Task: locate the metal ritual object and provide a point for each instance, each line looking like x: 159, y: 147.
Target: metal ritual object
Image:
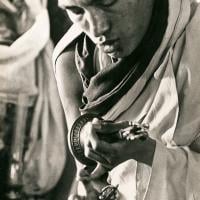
x: 74, y: 140
x: 76, y: 137
x: 76, y: 143
x: 109, y: 193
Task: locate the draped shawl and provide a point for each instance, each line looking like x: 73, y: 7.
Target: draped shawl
x: 26, y: 70
x: 166, y: 96
x: 104, y: 88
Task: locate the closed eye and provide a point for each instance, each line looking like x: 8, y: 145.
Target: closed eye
x: 106, y: 3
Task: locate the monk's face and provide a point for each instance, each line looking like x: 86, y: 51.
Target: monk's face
x: 116, y: 26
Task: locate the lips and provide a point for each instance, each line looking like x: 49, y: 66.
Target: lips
x: 110, y: 46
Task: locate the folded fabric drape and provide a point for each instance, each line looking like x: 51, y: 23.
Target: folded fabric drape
x: 102, y: 91
x: 26, y: 69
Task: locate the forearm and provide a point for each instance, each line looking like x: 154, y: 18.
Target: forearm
x: 146, y: 154
x: 177, y: 168
x: 69, y: 86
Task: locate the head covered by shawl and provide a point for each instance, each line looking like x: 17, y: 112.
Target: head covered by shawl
x: 15, y: 19
x: 26, y: 71
x: 8, y: 29
x: 103, y: 89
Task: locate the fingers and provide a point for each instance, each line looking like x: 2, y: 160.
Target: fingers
x: 90, y: 137
x: 140, y: 136
x: 93, y: 146
x: 92, y: 141
x: 96, y: 156
x: 136, y: 131
x: 96, y: 149
x: 105, y: 154
x: 104, y: 126
x: 83, y: 174
x: 99, y: 150
x: 98, y: 171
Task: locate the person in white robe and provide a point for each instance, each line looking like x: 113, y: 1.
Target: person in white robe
x: 152, y: 77
x: 27, y: 83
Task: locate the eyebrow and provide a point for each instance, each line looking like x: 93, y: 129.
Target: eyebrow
x: 84, y: 2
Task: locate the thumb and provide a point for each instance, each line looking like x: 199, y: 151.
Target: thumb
x: 98, y: 171
x: 105, y: 126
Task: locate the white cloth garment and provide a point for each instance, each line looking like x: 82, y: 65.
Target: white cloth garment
x: 167, y: 96
x: 26, y: 70
x: 170, y: 103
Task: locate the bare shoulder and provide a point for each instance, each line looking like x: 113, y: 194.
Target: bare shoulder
x: 66, y: 42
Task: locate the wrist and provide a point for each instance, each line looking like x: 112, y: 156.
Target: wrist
x: 146, y: 156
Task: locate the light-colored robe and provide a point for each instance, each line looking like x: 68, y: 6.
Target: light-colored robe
x: 170, y: 103
x: 167, y: 96
x: 26, y: 72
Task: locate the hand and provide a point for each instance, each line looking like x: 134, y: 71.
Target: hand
x: 88, y: 187
x: 110, y: 155
x: 86, y: 190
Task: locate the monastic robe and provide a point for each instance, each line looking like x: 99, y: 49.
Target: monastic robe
x: 167, y: 96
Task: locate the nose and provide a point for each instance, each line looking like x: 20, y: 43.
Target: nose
x: 97, y: 23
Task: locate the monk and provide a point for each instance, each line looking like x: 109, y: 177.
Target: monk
x: 134, y: 61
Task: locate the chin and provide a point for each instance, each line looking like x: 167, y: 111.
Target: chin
x: 116, y: 54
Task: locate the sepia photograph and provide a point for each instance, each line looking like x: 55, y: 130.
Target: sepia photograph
x: 99, y: 99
